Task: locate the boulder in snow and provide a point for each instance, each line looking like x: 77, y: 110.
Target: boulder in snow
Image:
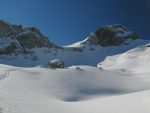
x: 56, y: 64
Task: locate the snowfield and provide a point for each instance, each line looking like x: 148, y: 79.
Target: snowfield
x: 119, y: 84
x: 136, y: 61
x: 77, y: 89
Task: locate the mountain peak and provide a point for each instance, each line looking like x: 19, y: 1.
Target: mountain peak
x: 17, y: 38
x: 113, y: 35
x: 109, y: 35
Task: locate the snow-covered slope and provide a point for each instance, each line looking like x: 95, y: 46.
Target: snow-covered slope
x: 75, y: 89
x: 136, y: 61
x: 87, y: 55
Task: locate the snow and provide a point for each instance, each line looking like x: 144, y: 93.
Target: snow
x: 119, y: 84
x: 25, y: 32
x: 86, y: 55
x: 79, y: 44
x: 136, y: 61
x: 6, y: 42
x: 121, y: 31
x: 55, y: 61
x: 76, y: 89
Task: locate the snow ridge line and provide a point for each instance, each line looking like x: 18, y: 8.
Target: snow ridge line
x: 7, y: 73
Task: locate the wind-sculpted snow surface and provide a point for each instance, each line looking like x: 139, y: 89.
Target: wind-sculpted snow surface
x: 77, y: 89
x: 136, y: 61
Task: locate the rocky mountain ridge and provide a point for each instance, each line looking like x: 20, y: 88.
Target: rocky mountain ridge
x: 19, y: 43
x: 17, y: 38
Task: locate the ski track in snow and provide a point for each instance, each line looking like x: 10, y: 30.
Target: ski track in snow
x: 3, y: 100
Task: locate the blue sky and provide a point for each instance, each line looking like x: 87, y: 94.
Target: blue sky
x: 68, y: 21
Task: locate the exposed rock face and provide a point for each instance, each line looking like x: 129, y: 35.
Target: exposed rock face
x: 31, y: 37
x: 56, y: 64
x: 113, y: 35
x: 17, y: 39
x: 5, y: 29
x: 109, y: 35
x: 92, y: 39
x: 9, y: 45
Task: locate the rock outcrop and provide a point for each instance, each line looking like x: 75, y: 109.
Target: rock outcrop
x: 31, y: 37
x: 17, y: 38
x: 109, y: 35
x: 114, y: 35
x: 56, y: 64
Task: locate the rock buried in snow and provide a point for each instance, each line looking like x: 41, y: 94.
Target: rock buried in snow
x: 78, y: 68
x: 56, y: 64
